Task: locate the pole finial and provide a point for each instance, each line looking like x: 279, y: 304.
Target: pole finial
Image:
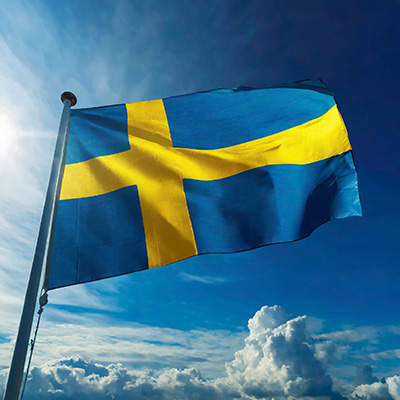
x: 69, y: 96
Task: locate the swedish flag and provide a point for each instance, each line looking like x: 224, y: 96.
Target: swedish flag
x: 151, y: 183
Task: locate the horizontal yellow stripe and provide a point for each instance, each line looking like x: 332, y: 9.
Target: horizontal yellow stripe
x: 313, y: 141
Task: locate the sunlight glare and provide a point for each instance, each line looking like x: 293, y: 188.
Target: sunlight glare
x: 7, y: 130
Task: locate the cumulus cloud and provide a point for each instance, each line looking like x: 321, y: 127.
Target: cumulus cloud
x: 389, y: 389
x: 76, y: 378
x: 280, y: 360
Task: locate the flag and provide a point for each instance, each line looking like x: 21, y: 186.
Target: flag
x: 150, y: 183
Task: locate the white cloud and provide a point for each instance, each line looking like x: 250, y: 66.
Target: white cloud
x: 208, y: 280
x: 26, y: 149
x: 388, y: 390
x: 389, y: 354
x: 370, y: 334
x: 280, y: 360
x: 94, y: 336
x: 75, y: 378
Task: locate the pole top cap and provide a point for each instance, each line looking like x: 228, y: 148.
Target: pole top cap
x: 69, y: 96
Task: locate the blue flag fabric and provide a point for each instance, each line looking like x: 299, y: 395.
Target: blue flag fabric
x: 151, y: 183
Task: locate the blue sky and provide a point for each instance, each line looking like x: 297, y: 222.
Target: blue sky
x: 193, y: 316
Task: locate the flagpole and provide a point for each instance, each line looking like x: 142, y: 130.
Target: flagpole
x: 15, y: 374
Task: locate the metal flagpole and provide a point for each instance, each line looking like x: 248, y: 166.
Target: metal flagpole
x: 21, y: 344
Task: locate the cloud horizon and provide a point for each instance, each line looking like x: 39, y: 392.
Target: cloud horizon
x: 281, y: 359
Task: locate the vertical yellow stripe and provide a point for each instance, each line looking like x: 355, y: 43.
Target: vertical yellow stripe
x: 147, y: 120
x: 167, y: 225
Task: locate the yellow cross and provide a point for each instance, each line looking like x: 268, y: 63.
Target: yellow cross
x: 158, y: 170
